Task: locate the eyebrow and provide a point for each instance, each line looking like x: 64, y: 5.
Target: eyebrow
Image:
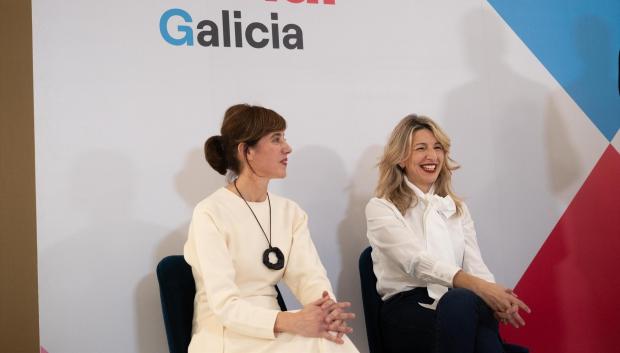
x: 424, y: 144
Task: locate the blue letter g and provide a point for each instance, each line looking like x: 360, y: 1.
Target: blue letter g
x: 188, y: 38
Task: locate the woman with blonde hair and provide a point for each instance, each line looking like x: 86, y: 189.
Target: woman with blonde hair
x: 243, y: 240
x: 439, y: 296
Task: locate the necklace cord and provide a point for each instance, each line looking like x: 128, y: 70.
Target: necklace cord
x: 254, y: 214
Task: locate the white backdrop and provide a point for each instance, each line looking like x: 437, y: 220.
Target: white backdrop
x: 121, y: 116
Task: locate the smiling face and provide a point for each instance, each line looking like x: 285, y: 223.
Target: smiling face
x: 425, y: 161
x: 269, y: 157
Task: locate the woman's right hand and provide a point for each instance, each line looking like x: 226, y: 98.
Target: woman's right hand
x: 311, y: 321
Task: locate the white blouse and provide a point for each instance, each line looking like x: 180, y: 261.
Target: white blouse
x: 424, y: 248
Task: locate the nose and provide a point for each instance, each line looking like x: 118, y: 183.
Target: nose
x: 431, y: 154
x: 287, y: 148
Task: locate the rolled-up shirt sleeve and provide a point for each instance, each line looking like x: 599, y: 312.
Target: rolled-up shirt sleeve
x: 389, y: 234
x: 218, y: 275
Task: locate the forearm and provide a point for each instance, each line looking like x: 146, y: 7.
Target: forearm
x: 497, y: 297
x: 465, y: 280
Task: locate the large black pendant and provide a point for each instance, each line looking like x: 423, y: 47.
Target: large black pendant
x: 279, y: 256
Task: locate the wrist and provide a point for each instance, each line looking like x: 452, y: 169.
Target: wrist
x: 463, y: 279
x: 283, y: 322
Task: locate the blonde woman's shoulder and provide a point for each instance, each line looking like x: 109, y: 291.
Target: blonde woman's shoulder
x: 377, y: 207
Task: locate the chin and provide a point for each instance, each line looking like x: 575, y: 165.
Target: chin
x: 430, y: 181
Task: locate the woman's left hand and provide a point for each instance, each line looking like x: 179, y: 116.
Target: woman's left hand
x: 336, y: 316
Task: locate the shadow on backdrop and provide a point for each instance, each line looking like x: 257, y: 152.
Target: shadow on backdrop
x: 316, y: 178
x: 88, y: 278
x: 195, y: 181
x: 352, y: 237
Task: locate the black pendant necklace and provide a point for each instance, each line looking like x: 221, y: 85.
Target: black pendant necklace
x: 279, y: 264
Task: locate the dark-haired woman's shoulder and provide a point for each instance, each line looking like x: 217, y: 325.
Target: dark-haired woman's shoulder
x: 220, y: 204
x: 288, y: 208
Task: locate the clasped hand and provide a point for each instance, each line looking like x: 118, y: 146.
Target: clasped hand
x: 324, y: 318
x: 505, y: 304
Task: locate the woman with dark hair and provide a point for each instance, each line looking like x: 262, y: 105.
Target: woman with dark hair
x: 243, y: 240
x: 439, y: 296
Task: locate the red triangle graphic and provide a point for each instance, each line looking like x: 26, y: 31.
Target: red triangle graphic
x: 573, y: 283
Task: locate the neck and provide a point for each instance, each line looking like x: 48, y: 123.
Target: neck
x: 253, y: 188
x: 425, y: 188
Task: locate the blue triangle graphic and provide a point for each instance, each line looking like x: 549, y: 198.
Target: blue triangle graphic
x: 578, y: 41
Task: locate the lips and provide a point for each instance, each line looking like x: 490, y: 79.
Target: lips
x: 429, y: 168
x: 284, y: 161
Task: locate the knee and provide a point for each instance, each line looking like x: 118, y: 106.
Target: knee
x: 459, y: 299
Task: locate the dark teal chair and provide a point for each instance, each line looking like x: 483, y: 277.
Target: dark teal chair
x: 177, y: 291
x: 372, y: 302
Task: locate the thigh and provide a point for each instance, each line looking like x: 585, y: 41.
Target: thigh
x: 407, y: 327
x: 465, y: 324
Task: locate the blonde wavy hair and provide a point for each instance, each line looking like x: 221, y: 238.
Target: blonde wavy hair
x: 392, y: 185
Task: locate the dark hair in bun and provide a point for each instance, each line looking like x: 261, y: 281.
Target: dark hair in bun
x: 242, y: 123
x: 215, y: 154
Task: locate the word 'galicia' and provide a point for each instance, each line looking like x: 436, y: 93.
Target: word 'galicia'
x: 256, y: 34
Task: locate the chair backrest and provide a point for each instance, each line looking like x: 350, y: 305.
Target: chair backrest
x: 177, y: 290
x: 371, y: 300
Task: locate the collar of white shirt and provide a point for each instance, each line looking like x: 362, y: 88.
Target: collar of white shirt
x: 444, y: 205
x: 419, y: 193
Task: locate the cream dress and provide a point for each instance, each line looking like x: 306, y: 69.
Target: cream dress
x: 235, y: 307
